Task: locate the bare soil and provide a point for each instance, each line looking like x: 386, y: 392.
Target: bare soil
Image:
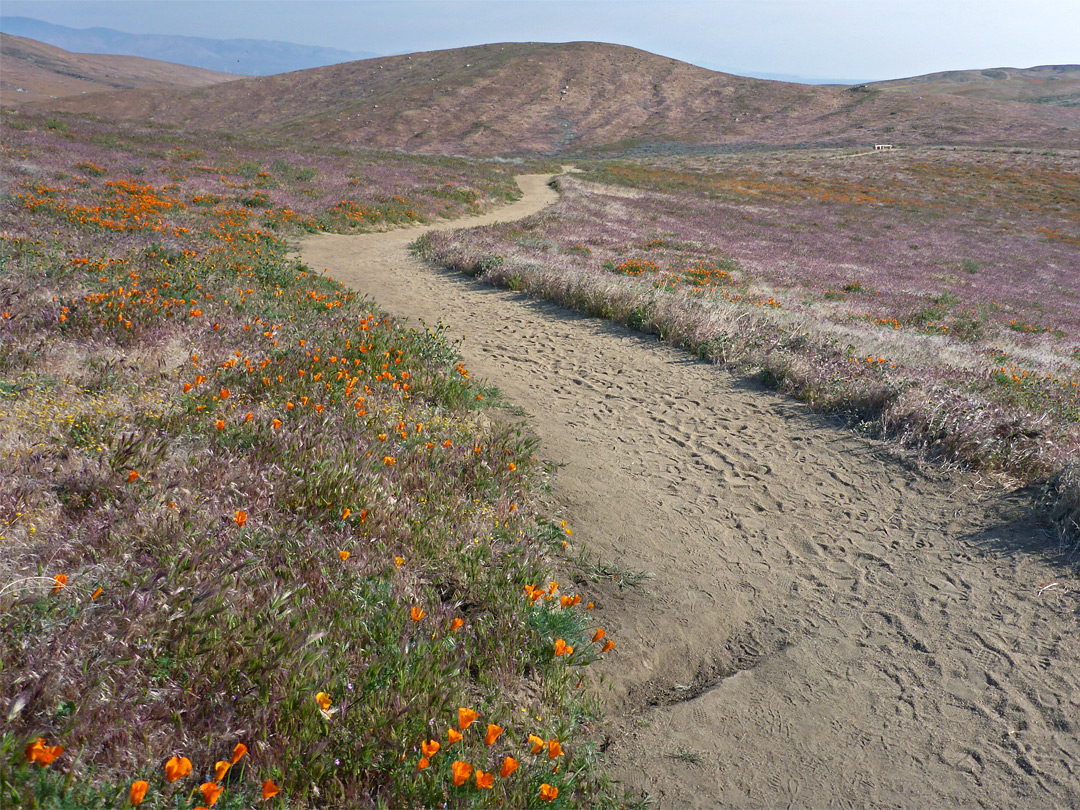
x: 828, y: 622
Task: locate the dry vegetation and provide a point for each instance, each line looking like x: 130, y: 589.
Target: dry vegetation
x: 930, y: 292
x: 34, y: 71
x: 574, y: 99
x: 256, y: 536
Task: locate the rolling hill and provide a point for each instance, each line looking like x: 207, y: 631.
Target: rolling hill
x: 248, y: 57
x: 1057, y: 85
x: 33, y: 71
x: 582, y: 97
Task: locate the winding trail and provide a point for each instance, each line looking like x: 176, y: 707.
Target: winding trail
x: 827, y: 624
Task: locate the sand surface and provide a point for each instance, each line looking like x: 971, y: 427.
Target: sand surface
x: 828, y: 623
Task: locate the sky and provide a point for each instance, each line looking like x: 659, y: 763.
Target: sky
x: 839, y: 40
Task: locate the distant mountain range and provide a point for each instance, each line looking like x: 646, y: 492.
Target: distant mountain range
x: 582, y: 98
x: 245, y: 57
x: 33, y: 71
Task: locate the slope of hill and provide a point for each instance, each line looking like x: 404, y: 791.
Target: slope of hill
x: 536, y: 98
x: 33, y: 71
x: 1057, y: 85
x: 247, y: 57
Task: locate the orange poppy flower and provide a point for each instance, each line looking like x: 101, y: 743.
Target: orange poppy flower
x: 609, y: 644
x: 241, y: 517
x: 132, y: 476
x: 417, y: 614
x: 138, y: 791
x: 599, y: 634
x: 96, y: 593
x: 548, y: 793
x: 41, y: 753
x: 323, y: 700
x: 485, y: 781
x: 536, y: 743
x: 210, y: 792
x: 177, y: 768
x: 187, y: 387
x: 562, y: 648
x: 508, y: 767
x: 430, y: 748
x: 456, y: 623
x: 344, y: 555
x: 453, y: 735
x: 461, y: 771
x: 289, y: 406
x: 225, y: 393
x: 466, y: 717
x: 59, y: 583
x: 388, y: 460
x: 554, y: 749
x: 269, y: 789
x: 399, y: 561
x: 345, y: 513
x: 423, y: 763
x: 493, y: 732
x: 276, y: 423
x: 238, y: 752
x: 511, y: 467
x: 249, y: 416
x: 221, y: 767
x: 220, y: 424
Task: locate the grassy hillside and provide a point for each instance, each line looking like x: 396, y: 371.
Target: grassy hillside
x: 257, y: 536
x: 575, y: 98
x: 34, y: 71
x: 1055, y: 85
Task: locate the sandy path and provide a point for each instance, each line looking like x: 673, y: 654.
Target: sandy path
x: 827, y: 625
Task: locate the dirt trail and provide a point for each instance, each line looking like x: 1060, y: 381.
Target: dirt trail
x: 827, y: 624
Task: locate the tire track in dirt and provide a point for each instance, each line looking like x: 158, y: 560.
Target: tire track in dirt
x: 828, y: 624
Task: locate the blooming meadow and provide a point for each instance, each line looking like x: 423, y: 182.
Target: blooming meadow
x: 260, y: 544
x: 930, y: 292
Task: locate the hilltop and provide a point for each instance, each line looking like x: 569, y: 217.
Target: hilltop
x: 582, y: 97
x: 34, y: 71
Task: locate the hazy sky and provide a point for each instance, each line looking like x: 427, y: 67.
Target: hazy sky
x: 816, y: 39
